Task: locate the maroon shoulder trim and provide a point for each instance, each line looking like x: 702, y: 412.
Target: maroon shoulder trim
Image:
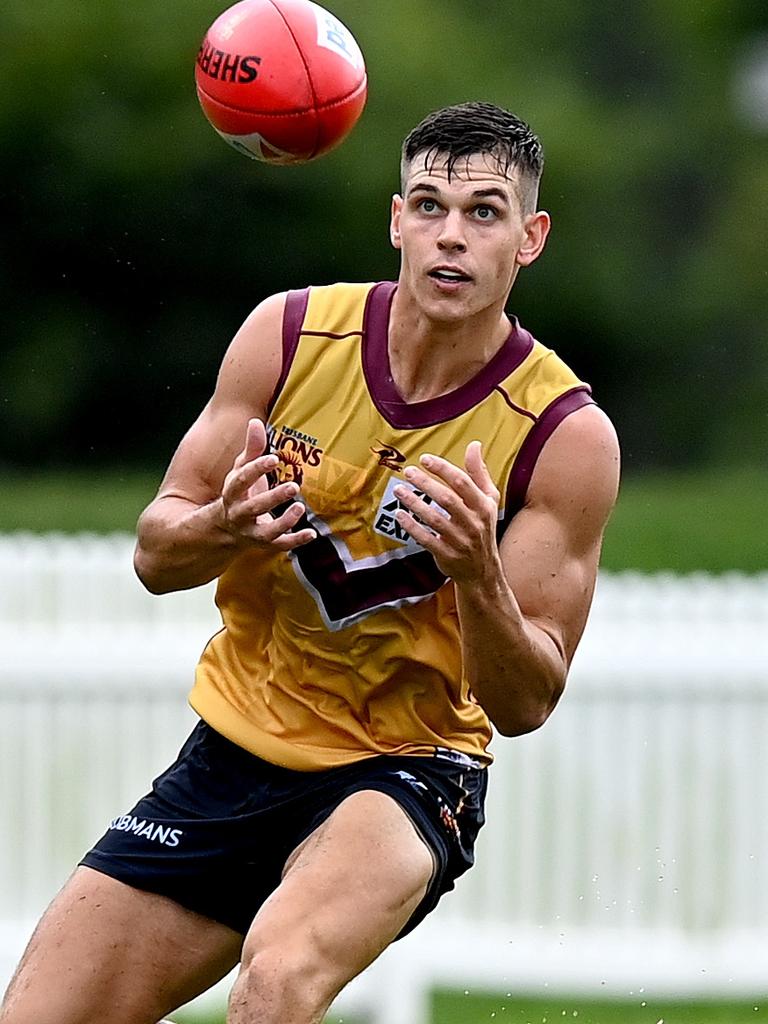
x: 333, y: 337
x: 513, y: 406
x: 293, y: 317
x: 538, y: 435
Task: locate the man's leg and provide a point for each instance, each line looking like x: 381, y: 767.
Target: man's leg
x: 346, y: 894
x: 105, y: 951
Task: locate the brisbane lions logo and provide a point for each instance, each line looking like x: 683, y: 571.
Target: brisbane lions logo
x: 289, y: 470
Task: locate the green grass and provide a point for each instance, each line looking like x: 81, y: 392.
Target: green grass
x: 74, y: 502
x: 456, y: 1008
x: 712, y: 520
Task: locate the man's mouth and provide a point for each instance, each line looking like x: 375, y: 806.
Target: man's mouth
x: 449, y: 275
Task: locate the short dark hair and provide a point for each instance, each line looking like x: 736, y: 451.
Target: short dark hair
x: 466, y: 129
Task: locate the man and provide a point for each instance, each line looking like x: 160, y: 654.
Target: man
x: 403, y: 496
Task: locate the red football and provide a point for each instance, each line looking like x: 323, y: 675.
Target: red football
x: 281, y: 80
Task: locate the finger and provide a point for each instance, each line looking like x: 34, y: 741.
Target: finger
x: 456, y: 478
x: 255, y: 439
x: 468, y: 489
x: 255, y: 442
x: 289, y: 541
x: 262, y: 526
x: 458, y: 481
x: 475, y: 465
x: 269, y: 529
x: 443, y: 495
x: 420, y: 533
x: 438, y: 519
x: 252, y: 506
x: 245, y: 475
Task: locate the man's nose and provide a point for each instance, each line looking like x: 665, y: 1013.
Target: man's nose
x: 451, y: 237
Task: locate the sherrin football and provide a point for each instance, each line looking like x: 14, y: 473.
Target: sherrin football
x: 281, y: 80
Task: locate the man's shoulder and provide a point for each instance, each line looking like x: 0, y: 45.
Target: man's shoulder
x: 341, y: 287
x: 333, y: 308
x: 581, y: 458
x: 537, y: 381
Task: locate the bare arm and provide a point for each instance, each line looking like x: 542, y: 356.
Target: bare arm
x: 523, y: 604
x: 214, y: 501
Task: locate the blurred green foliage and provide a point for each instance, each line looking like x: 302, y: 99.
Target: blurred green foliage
x: 135, y: 241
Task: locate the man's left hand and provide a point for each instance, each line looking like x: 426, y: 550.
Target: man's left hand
x: 462, y: 538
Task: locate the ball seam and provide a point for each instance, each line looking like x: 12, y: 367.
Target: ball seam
x: 306, y: 72
x: 287, y: 113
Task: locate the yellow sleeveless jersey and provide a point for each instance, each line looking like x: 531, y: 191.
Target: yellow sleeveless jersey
x: 349, y: 646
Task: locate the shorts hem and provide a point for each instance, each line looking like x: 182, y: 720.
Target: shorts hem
x: 429, y: 835
x: 121, y: 872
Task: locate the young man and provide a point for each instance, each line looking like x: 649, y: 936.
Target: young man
x: 403, y: 496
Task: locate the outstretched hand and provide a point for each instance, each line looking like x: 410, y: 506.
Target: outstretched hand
x: 249, y: 502
x: 461, y: 533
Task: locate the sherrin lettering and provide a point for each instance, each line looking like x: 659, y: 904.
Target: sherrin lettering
x: 227, y: 67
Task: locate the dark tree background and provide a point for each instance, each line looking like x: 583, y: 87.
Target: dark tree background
x: 134, y: 241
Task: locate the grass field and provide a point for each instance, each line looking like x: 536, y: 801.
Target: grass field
x: 450, y: 1009
x: 74, y: 502
x: 711, y: 521
x: 456, y: 1008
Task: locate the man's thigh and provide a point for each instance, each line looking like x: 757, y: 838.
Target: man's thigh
x: 106, y: 951
x: 348, y: 891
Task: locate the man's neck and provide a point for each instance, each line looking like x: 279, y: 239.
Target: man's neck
x: 430, y: 358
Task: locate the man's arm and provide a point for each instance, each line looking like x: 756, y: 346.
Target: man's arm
x: 523, y: 604
x: 214, y: 501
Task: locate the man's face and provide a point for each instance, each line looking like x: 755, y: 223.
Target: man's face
x: 462, y: 241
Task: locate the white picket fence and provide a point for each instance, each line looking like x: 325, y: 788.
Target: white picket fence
x: 627, y: 843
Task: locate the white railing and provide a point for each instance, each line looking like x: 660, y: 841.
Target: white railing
x: 627, y: 843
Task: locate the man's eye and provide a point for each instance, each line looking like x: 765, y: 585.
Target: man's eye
x: 485, y: 212
x: 428, y: 205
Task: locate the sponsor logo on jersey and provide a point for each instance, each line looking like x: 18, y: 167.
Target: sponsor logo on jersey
x: 296, y: 450
x: 386, y: 523
x: 144, y: 829
x: 388, y: 456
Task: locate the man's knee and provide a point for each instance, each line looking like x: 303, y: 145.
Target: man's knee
x: 297, y: 977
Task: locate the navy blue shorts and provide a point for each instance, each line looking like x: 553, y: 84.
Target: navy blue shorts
x: 216, y: 830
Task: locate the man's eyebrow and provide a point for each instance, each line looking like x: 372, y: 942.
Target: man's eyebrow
x: 480, y: 193
x: 424, y: 187
x: 487, y: 193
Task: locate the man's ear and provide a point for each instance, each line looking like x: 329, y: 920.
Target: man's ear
x: 394, y: 223
x: 537, y: 227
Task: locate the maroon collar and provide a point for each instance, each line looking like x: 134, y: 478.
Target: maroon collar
x: 378, y: 371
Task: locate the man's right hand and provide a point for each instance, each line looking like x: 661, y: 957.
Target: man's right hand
x: 215, y: 500
x: 248, y: 501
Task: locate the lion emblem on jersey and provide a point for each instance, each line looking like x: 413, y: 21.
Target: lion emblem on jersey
x: 290, y: 468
